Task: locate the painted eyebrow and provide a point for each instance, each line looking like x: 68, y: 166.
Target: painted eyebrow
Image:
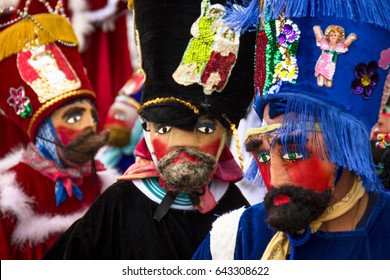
x: 71, y: 111
x: 253, y: 144
x: 95, y: 114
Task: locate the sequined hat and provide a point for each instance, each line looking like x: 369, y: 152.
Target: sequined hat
x: 40, y: 66
x: 327, y: 61
x: 193, y: 63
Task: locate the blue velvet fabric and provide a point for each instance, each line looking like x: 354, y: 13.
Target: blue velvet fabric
x: 369, y: 241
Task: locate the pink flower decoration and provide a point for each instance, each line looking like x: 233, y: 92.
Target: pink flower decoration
x: 18, y: 100
x: 384, y: 61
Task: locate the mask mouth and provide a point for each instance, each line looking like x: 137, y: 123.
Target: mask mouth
x: 185, y: 170
x: 292, y: 208
x: 85, y: 146
x: 281, y: 199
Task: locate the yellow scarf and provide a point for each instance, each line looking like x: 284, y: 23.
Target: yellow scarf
x: 279, y: 245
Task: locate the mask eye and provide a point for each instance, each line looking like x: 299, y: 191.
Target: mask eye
x: 74, y: 118
x: 163, y: 129
x: 263, y: 157
x: 206, y: 127
x: 120, y: 116
x: 292, y: 156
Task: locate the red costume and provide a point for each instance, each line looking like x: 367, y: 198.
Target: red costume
x: 44, y: 188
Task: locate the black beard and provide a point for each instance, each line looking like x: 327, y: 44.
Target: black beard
x: 85, y: 146
x: 305, y: 207
x: 187, y: 177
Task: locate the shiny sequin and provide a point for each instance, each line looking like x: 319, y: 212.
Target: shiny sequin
x: 260, y: 64
x: 47, y: 71
x: 283, y: 38
x: 211, y: 53
x: 366, y: 79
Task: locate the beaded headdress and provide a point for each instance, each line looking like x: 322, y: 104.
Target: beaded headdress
x: 324, y: 64
x: 40, y: 65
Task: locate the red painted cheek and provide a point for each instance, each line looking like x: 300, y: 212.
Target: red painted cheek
x: 265, y: 170
x: 311, y: 174
x: 212, y: 148
x: 160, y: 148
x: 66, y: 134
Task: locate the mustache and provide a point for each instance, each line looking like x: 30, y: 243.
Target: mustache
x: 85, y: 146
x: 202, y: 157
x: 305, y: 206
x: 187, y: 177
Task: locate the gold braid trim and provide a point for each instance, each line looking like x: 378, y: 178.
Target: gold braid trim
x: 130, y: 4
x: 167, y: 99
x: 261, y: 130
x: 53, y: 101
x: 236, y: 140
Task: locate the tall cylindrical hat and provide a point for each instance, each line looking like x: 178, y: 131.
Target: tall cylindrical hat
x: 194, y: 64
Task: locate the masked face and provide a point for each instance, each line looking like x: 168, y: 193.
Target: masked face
x: 299, y: 186
x: 187, y: 159
x: 120, y: 121
x: 75, y: 125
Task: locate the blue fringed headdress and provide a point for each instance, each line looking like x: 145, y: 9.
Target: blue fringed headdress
x: 339, y: 87
x: 246, y: 16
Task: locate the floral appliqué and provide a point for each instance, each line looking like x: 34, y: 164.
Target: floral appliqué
x: 366, y: 79
x: 288, y: 34
x: 20, y: 102
x: 282, y: 47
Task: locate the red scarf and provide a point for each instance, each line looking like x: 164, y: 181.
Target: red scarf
x: 48, y: 168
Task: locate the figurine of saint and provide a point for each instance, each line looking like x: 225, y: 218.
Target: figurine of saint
x: 332, y: 44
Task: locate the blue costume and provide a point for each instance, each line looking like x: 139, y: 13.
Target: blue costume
x: 315, y: 135
x: 254, y: 234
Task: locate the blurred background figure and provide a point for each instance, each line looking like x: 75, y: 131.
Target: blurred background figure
x: 124, y: 125
x: 104, y: 31
x: 12, y: 136
x: 254, y: 190
x: 380, y: 141
x: 47, y: 185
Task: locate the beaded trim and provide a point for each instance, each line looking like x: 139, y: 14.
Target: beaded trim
x: 167, y: 99
x: 52, y: 102
x: 59, y: 9
x: 283, y: 38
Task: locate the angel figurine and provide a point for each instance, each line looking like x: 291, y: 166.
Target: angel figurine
x: 332, y: 44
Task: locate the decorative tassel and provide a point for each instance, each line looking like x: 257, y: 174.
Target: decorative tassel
x: 367, y: 11
x: 243, y: 17
x: 47, y: 28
